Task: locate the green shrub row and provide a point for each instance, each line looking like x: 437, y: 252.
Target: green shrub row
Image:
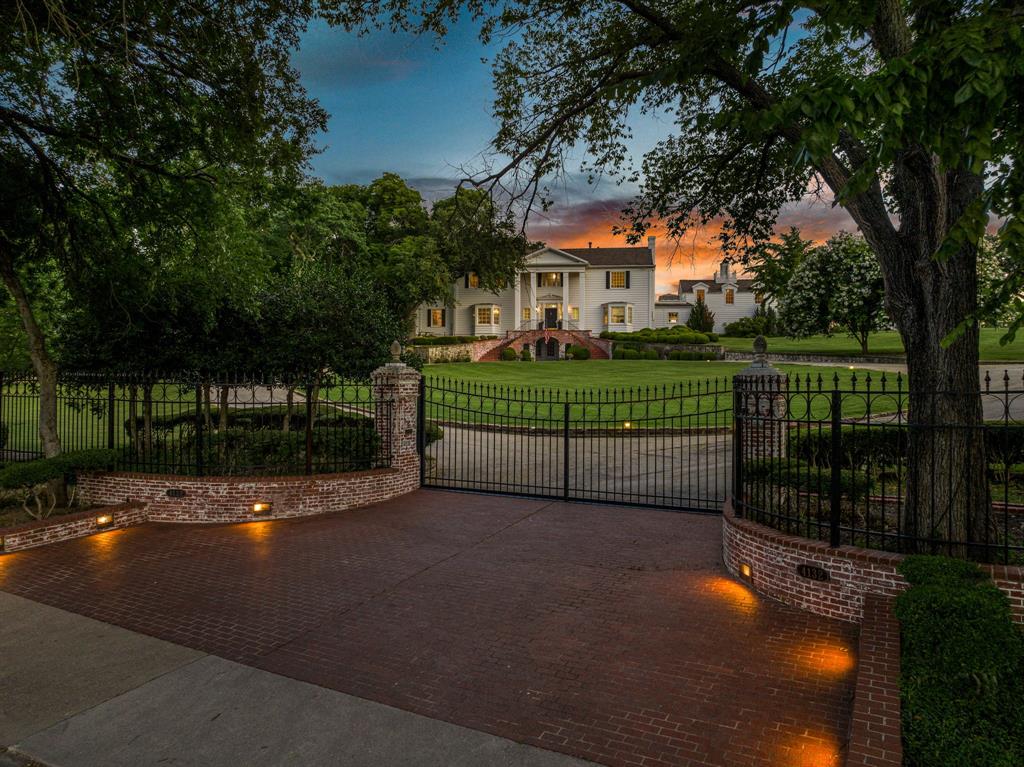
x: 4, y: 432
x: 579, y: 352
x: 802, y: 476
x: 447, y: 340
x: 961, y: 670
x: 887, y: 445
x: 678, y: 334
x: 634, y: 354
x: 681, y: 355
x: 39, y: 472
x: 267, y: 417
x: 763, y: 323
x: 241, y: 451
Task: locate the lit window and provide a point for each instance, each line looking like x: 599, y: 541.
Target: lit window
x: 629, y: 315
x: 496, y: 315
x: 526, y: 314
x: 617, y: 280
x: 759, y: 298
x: 618, y: 315
x: 730, y: 295
x: 550, y: 279
x: 485, y: 315
x: 435, y: 318
x: 673, y: 318
x: 574, y: 313
x: 604, y: 316
x: 700, y: 294
x: 473, y: 280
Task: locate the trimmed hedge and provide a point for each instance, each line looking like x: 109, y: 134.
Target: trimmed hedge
x: 962, y: 668
x: 447, y: 340
x: 800, y: 475
x: 508, y: 354
x: 887, y: 445
x: 434, y: 432
x: 681, y: 355
x: 674, y: 335
x: 525, y: 355
x: 579, y: 352
x: 43, y: 470
x: 240, y: 451
x: 267, y: 417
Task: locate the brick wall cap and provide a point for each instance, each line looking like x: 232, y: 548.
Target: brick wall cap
x: 66, y: 518
x: 241, y: 478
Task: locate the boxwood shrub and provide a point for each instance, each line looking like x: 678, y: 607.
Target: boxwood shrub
x: 579, y: 352
x: 34, y: 473
x: 508, y: 354
x: 679, y: 334
x: 801, y: 475
x: 681, y: 355
x: 962, y: 668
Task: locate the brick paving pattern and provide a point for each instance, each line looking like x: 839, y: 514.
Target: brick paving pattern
x: 608, y: 633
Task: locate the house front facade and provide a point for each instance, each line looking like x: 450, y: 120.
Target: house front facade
x: 585, y: 290
x: 727, y: 295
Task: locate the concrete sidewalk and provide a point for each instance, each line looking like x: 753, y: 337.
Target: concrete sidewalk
x: 75, y: 692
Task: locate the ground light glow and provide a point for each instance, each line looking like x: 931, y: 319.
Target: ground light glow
x: 732, y: 593
x: 810, y: 751
x: 829, y: 659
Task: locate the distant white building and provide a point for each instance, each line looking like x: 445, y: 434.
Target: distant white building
x: 725, y: 294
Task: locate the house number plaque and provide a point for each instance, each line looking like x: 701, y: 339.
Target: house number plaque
x: 812, y: 572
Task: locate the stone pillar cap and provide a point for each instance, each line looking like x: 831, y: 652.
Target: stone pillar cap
x: 760, y: 366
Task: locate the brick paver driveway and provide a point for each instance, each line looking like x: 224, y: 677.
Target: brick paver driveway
x: 608, y: 633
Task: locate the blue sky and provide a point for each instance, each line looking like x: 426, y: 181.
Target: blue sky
x: 399, y: 104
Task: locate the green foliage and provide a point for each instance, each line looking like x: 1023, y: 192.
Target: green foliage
x: 676, y: 334
x: 683, y: 355
x: 803, y: 476
x: 446, y: 340
x: 243, y: 451
x: 701, y: 318
x: 34, y: 473
x: 270, y: 417
x: 882, y: 446
x: 4, y: 433
x: 765, y: 322
x: 773, y: 264
x: 525, y: 355
x: 962, y: 668
x: 508, y: 354
x: 434, y: 432
x: 836, y: 285
x: 579, y: 352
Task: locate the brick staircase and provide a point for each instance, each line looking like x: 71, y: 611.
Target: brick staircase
x: 600, y: 349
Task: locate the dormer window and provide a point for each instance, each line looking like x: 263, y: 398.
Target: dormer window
x: 472, y: 280
x: 700, y: 294
x: 730, y: 296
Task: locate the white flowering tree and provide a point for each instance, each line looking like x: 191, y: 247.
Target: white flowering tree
x: 837, y: 286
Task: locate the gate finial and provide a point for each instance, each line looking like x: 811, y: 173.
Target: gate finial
x: 396, y: 351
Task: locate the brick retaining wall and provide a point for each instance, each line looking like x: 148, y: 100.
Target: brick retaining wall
x: 853, y: 572
x: 68, y: 526
x: 875, y: 739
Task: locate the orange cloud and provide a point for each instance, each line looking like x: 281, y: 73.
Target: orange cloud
x: 697, y: 255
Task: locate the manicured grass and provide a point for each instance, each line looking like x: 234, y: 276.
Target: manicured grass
x: 609, y: 393
x: 887, y: 342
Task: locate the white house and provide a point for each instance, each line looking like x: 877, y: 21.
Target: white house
x: 725, y: 294
x: 561, y: 289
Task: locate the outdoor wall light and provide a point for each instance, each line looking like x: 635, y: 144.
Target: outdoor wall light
x: 262, y: 507
x: 746, y: 571
x: 103, y: 520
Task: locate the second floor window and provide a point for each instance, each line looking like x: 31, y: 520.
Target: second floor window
x: 759, y: 298
x: 730, y: 295
x: 673, y: 318
x: 549, y: 280
x: 617, y: 280
x: 700, y: 294
x: 526, y: 314
x: 472, y: 280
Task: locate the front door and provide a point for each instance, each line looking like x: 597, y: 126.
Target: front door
x: 551, y: 316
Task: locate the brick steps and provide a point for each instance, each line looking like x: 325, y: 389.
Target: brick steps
x: 599, y: 350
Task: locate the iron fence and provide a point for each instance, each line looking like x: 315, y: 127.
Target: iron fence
x: 661, y: 446
x: 227, y: 424
x: 869, y: 464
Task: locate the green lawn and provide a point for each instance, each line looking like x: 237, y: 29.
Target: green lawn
x: 887, y: 342
x: 614, y: 392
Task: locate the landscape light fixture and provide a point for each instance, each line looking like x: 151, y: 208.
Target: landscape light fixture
x: 262, y: 507
x: 746, y: 571
x: 103, y: 520
x: 627, y: 425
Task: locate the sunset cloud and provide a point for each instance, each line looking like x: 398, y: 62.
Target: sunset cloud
x: 591, y: 222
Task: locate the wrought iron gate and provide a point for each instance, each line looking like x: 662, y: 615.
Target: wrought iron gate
x: 661, y: 446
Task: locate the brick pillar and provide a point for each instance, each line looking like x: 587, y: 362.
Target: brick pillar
x: 761, y: 402
x: 396, y: 391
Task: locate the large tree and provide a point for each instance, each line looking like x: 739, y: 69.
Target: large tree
x: 114, y: 116
x: 905, y: 113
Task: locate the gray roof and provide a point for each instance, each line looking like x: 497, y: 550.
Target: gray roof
x: 613, y: 256
x: 686, y: 286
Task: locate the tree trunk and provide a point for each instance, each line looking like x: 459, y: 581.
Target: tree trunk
x: 42, y: 363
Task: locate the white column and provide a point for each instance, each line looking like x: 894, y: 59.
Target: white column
x: 584, y: 325
x: 517, y: 311
x: 565, y: 299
